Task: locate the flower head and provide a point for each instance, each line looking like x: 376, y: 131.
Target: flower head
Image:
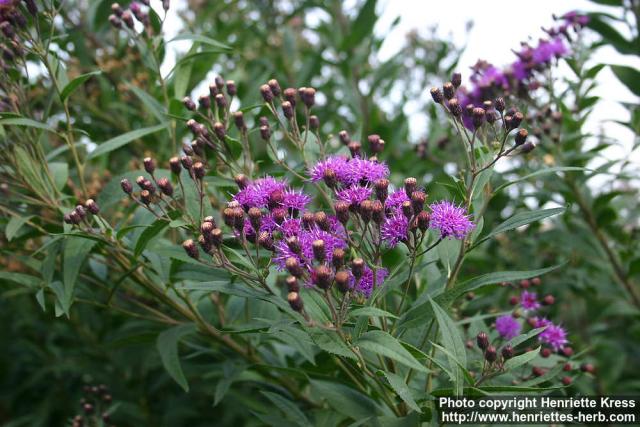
x: 554, y: 335
x: 508, y: 327
x: 366, y: 171
x: 451, y: 220
x: 395, y: 200
x: 256, y: 194
x: 394, y: 229
x: 354, y: 194
x: 529, y: 301
x: 365, y: 285
x: 295, y: 200
x: 338, y: 164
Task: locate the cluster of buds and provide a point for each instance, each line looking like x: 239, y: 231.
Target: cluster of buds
x: 547, y: 123
x: 80, y: 213
x: 474, y: 115
x: 95, y: 407
x: 121, y: 17
x: 12, y: 23
x: 490, y: 353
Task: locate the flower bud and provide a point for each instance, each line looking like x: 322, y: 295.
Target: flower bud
x: 216, y: 237
x: 314, y: 122
x: 410, y: 185
x: 417, y: 201
x: 292, y: 284
x: 342, y: 281
x: 293, y: 267
x: 477, y: 116
x: 521, y: 136
x: 191, y: 249
x: 566, y: 381
x: 456, y: 80
x: 149, y: 165
x: 454, y: 107
x: 448, y: 90
x: 115, y: 21
x: 213, y: 90
x: 74, y: 217
x: 516, y: 119
x: 329, y: 177
x: 266, y: 93
x: 482, y: 340
x: 407, y: 210
x: 145, y: 197
x: 265, y: 132
x: 342, y: 211
x: 199, y: 170
x: 166, y: 4
x: 357, y: 268
x: 174, y: 165
x: 221, y: 101
x: 165, y: 187
x: 548, y: 300
x: 322, y: 221
x: 437, y: 95
x: 295, y: 301
x: 355, y: 148
x: 266, y: 241
x: 127, y: 18
x: 422, y: 220
x: 232, y: 90
x: 567, y: 367
x: 219, y: 130
x: 32, y: 8
x: 507, y: 352
x: 187, y: 162
x: 499, y: 104
x: 255, y: 218
x: 345, y: 139
x: 204, y: 243
x: 490, y: 354
x: 536, y: 281
x: 382, y: 189
x: 527, y: 147
x: 545, y: 352
x: 126, y: 186
x: 308, y: 96
x: 92, y: 206
x: 377, y: 212
x: 337, y: 258
x: 294, y: 245
x: 287, y: 109
x: 279, y: 215
x: 366, y: 210
x: 318, y: 250
x: 275, y: 87
x: 587, y: 368
x: 537, y: 371
x: 322, y: 277
x: 238, y: 119
x: 188, y: 103
x: 567, y: 351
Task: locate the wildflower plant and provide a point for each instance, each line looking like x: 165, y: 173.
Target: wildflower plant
x: 266, y: 249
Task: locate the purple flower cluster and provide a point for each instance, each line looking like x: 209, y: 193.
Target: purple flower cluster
x: 519, y: 77
x: 529, y: 301
x: 349, y: 171
x: 450, y: 220
x: 553, y: 335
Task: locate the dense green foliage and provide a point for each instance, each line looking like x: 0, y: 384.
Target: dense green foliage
x: 180, y: 342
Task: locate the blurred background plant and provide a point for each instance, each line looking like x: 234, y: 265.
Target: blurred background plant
x: 95, y: 84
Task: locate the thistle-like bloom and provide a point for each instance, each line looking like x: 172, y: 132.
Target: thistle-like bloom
x: 256, y: 194
x: 450, y: 220
x: 363, y: 171
x: 365, y: 285
x: 508, y: 327
x: 395, y: 229
x: 354, y: 194
x: 306, y: 239
x: 554, y: 335
x: 338, y: 164
x: 529, y: 301
x: 296, y: 200
x: 395, y: 200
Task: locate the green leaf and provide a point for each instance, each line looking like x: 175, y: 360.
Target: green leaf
x: 362, y: 26
x: 76, y: 250
x: 21, y: 279
x: 124, y: 139
x: 520, y: 219
x: 522, y: 359
x: 155, y: 108
x: 330, y: 342
x: 60, y: 172
x: 288, y: 408
x: 452, y: 341
x: 402, y: 390
x: 22, y: 121
x: 167, y: 345
x: 14, y: 225
x: 345, y: 400
x: 75, y: 83
x: 538, y: 173
x: 230, y: 372
x: 201, y: 39
x: 372, y: 312
x: 148, y: 234
x: 383, y: 344
x: 629, y: 76
x: 515, y: 341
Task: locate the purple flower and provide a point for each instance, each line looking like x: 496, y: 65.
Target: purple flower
x: 395, y: 229
x: 529, y: 301
x: 366, y: 171
x: 554, y: 335
x: 395, y: 200
x: 291, y: 227
x: 450, y: 219
x: 508, y: 327
x: 365, y: 285
x: 354, y: 194
x: 338, y: 164
x: 296, y: 200
x: 256, y: 194
x: 306, y: 239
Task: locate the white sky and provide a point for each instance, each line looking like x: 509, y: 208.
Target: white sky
x: 499, y: 26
